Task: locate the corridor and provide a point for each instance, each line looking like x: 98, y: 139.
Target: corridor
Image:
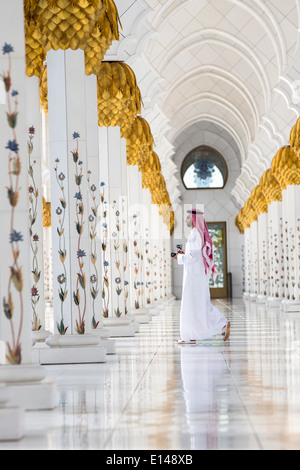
x: 156, y: 395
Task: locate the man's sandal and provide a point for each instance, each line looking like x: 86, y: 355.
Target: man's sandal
x: 226, y: 334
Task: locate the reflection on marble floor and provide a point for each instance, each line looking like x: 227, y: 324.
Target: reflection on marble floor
x: 154, y: 394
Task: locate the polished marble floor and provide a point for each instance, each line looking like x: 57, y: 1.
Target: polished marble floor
x: 156, y: 395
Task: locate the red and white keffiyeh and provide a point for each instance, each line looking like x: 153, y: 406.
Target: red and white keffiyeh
x: 208, y: 246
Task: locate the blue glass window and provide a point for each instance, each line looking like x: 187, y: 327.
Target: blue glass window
x: 204, y: 168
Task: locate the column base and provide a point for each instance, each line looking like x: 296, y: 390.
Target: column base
x: 40, y: 336
x: 152, y: 310
x: 121, y: 327
x: 261, y: 299
x: 105, y: 339
x: 273, y: 302
x: 141, y: 315
x: 26, y: 387
x: 160, y: 305
x: 290, y: 305
x: 12, y: 424
x: 70, y: 349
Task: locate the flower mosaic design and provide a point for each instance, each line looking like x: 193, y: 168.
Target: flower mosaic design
x: 81, y: 278
x: 62, y: 278
x: 137, y: 265
x: 94, y: 278
x: 33, y: 192
x: 125, y: 258
x: 14, y: 298
x: 148, y: 269
x: 104, y: 245
x: 116, y: 243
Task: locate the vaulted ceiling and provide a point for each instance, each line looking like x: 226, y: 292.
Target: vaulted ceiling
x: 234, y: 63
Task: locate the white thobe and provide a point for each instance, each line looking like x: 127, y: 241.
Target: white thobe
x: 199, y: 319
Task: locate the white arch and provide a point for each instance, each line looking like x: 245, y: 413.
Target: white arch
x: 280, y: 50
x: 230, y: 42
x: 211, y: 97
x: 225, y: 76
x: 213, y: 119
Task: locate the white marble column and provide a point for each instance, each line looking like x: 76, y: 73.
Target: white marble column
x: 69, y: 210
x: 24, y: 379
x: 94, y: 216
x: 35, y: 195
x: 147, y: 249
x: 136, y: 217
x: 113, y: 211
x: 275, y: 253
x: 254, y: 260
x: 247, y: 261
x: 263, y: 258
x: 291, y: 237
x: 156, y: 233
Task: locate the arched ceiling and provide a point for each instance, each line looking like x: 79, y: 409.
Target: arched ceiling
x: 229, y: 62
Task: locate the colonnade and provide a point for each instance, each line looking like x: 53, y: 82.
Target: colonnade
x: 111, y: 217
x: 270, y: 221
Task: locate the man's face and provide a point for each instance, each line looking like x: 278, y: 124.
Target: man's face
x: 189, y: 221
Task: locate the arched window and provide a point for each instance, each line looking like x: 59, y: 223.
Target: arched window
x: 204, y: 168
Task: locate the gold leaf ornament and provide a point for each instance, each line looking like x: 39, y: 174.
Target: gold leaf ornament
x: 119, y: 97
x: 270, y: 187
x: 286, y: 167
x: 90, y: 25
x: 295, y: 138
x: 104, y: 32
x: 139, y: 142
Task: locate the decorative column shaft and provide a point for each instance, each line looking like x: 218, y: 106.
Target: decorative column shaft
x: 15, y: 317
x: 24, y: 380
x: 35, y: 195
x: 113, y: 176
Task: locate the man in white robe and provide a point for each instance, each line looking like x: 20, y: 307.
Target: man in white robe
x: 199, y: 319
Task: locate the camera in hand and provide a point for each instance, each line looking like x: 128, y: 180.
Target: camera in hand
x: 179, y: 251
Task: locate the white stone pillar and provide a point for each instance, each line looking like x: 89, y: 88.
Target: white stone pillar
x: 275, y: 253
x: 147, y: 249
x: 291, y: 219
x: 23, y: 379
x: 94, y: 216
x: 167, y: 274
x: 69, y: 209
x: 263, y: 259
x: 113, y: 211
x: 93, y: 180
x: 136, y: 218
x: 156, y: 233
x: 35, y: 195
x: 247, y: 262
x: 254, y: 260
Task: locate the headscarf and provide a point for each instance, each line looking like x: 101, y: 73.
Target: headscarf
x: 207, y: 243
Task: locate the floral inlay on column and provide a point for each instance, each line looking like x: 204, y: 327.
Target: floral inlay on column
x: 94, y: 277
x: 148, y: 272
x: 136, y: 284
x: 34, y: 238
x: 125, y: 258
x: 116, y: 242
x: 14, y: 355
x: 61, y: 278
x: 298, y: 243
x: 81, y: 279
x: 105, y: 285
